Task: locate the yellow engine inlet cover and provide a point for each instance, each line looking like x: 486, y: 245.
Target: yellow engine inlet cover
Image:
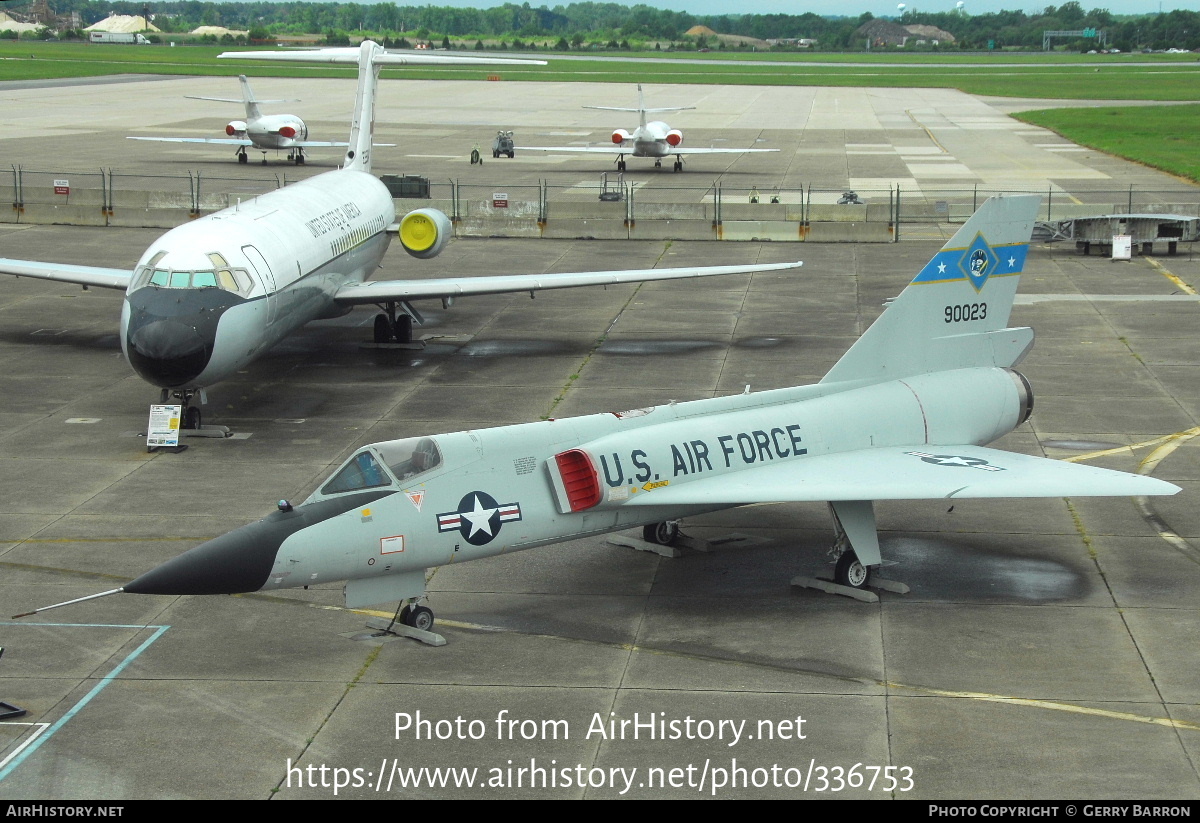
x: 418, y: 232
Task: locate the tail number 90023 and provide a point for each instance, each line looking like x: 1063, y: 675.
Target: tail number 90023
x: 967, y: 311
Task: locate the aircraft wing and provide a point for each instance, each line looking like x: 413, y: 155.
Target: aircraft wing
x: 234, y: 141
x: 615, y: 149
x: 378, y: 291
x: 66, y: 273
x: 223, y: 141
x: 393, y: 58
x: 905, y: 473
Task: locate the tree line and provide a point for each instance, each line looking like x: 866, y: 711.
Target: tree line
x: 588, y: 24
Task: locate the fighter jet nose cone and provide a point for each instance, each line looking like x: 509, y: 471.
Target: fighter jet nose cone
x: 168, y: 352
x: 233, y: 563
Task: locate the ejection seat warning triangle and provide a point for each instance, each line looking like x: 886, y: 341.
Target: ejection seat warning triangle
x: 163, y: 427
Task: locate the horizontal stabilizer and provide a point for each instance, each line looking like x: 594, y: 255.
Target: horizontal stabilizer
x: 381, y: 290
x: 389, y: 58
x: 905, y: 473
x: 615, y: 149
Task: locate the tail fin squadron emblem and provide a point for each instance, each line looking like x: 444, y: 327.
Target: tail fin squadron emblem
x: 978, y: 262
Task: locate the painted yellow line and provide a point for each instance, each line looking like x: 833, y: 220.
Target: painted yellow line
x: 1182, y: 438
x: 1052, y: 705
x: 1184, y: 287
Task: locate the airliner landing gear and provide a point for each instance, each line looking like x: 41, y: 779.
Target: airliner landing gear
x: 678, y: 164
x: 658, y: 164
x: 296, y: 156
x: 241, y: 155
x: 394, y: 329
x: 190, y: 417
x: 621, y: 164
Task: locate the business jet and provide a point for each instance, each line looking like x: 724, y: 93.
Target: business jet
x: 208, y: 298
x: 652, y: 138
x: 265, y: 132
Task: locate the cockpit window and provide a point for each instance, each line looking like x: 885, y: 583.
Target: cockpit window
x: 408, y: 458
x: 362, y: 472
x: 234, y: 280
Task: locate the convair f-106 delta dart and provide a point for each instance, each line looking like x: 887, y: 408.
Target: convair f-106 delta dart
x: 650, y: 139
x: 265, y: 132
x: 903, y: 415
x: 209, y: 297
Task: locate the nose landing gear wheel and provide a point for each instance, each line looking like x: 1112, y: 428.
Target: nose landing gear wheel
x: 192, y: 418
x: 850, y: 571
x: 419, y: 618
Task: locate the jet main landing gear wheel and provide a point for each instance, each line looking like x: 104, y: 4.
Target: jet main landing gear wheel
x: 850, y: 571
x: 663, y: 534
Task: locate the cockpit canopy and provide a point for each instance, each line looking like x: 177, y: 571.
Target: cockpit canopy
x: 385, y: 464
x: 219, y: 276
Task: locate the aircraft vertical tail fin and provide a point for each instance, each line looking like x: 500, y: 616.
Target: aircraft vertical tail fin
x: 362, y: 127
x: 252, y: 112
x: 641, y: 107
x: 955, y: 312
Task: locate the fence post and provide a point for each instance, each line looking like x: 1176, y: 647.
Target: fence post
x: 896, y: 233
x: 1049, y: 201
x: 1129, y: 210
x: 629, y: 210
x: 18, y: 192
x: 543, y: 205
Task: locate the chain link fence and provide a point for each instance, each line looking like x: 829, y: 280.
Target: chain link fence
x: 611, y: 206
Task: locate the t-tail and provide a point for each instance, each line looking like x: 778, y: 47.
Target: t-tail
x: 370, y: 57
x: 641, y: 109
x: 362, y: 128
x: 955, y: 312
x: 252, y: 112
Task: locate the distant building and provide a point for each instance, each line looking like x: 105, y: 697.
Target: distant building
x: 883, y: 33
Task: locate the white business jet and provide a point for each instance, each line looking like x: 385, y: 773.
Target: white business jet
x: 209, y: 297
x: 652, y: 138
x: 265, y: 132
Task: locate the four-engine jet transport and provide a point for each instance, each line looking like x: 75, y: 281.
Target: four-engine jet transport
x: 650, y: 139
x: 209, y: 297
x: 265, y: 132
x: 903, y: 415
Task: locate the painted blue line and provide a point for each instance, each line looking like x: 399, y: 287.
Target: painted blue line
x: 99, y: 687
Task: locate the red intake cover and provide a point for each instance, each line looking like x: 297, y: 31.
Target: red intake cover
x: 620, y: 136
x: 287, y: 131
x: 230, y: 130
x: 674, y: 137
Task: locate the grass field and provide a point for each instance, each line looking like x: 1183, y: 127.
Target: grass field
x: 1162, y: 137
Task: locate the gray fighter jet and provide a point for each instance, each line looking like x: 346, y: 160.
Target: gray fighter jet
x: 904, y: 415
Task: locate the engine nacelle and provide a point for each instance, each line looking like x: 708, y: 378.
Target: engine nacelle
x: 674, y: 137
x: 236, y: 128
x: 425, y: 232
x: 620, y: 136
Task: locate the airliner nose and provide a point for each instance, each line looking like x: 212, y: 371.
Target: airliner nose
x: 168, y: 352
